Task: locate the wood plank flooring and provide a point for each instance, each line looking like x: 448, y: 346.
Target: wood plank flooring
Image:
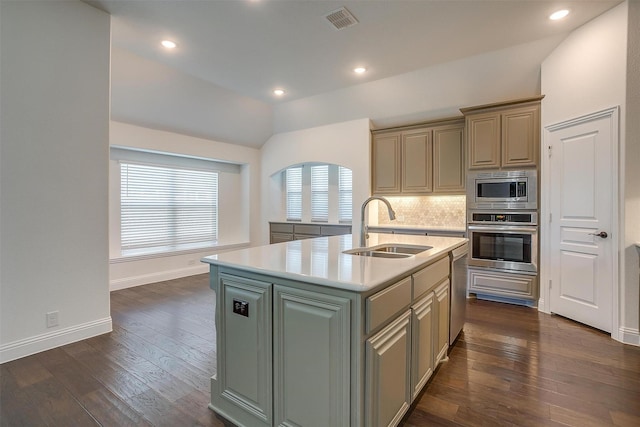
x: 512, y: 366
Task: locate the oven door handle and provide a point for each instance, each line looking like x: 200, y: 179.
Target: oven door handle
x: 506, y: 228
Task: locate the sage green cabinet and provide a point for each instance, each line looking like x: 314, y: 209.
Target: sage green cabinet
x: 441, y: 338
x: 245, y: 350
x: 503, y: 135
x: 419, y: 160
x: 316, y: 393
x: 422, y: 360
x: 292, y: 353
x: 388, y: 385
x: 402, y: 356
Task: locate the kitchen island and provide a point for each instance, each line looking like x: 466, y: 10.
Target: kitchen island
x: 309, y: 335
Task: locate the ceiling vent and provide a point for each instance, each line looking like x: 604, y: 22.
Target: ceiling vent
x: 341, y: 18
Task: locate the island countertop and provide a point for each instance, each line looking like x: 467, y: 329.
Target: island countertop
x: 321, y: 260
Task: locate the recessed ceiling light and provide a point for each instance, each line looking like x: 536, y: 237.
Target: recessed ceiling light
x: 559, y: 14
x: 359, y: 70
x: 278, y: 92
x: 168, y: 44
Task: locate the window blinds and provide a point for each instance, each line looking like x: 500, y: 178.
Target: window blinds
x: 345, y: 194
x: 293, y: 183
x: 166, y: 209
x: 320, y: 193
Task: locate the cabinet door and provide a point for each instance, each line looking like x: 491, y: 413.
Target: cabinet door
x: 448, y: 159
x: 520, y: 136
x: 386, y: 163
x: 484, y: 140
x: 422, y: 349
x: 442, y: 321
x: 244, y: 352
x: 417, y: 161
x: 388, y: 370
x: 311, y: 327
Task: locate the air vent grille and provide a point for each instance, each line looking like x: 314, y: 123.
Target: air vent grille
x: 341, y: 18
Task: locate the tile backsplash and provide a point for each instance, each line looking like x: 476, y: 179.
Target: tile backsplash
x: 440, y: 211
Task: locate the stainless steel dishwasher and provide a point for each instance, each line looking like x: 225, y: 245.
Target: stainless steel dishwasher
x: 458, y: 290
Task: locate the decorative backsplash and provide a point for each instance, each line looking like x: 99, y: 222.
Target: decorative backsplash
x: 440, y: 211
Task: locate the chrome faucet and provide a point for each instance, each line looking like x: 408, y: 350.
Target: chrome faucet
x: 364, y: 235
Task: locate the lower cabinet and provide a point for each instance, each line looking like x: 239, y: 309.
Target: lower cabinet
x: 422, y: 360
x: 296, y: 354
x: 311, y: 358
x: 388, y: 361
x: 245, y: 351
x: 402, y: 356
x: 441, y: 339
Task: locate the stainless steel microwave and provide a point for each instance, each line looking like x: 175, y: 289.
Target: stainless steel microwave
x: 502, y: 190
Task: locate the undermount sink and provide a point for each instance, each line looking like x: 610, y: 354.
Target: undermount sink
x: 381, y: 254
x: 389, y: 251
x: 403, y: 249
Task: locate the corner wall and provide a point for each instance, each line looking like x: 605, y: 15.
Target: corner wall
x: 54, y: 174
x: 630, y: 309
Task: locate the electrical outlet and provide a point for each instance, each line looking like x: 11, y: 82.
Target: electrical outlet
x: 52, y: 319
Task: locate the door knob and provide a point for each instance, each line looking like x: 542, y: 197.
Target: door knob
x: 602, y: 234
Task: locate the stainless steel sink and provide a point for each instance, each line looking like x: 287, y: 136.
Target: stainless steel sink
x: 391, y: 250
x: 402, y: 249
x: 381, y: 254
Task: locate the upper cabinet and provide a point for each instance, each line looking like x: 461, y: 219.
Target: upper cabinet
x: 419, y: 160
x: 503, y: 135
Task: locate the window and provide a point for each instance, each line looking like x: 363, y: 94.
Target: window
x: 345, y: 194
x: 293, y: 183
x: 165, y: 208
x: 318, y: 192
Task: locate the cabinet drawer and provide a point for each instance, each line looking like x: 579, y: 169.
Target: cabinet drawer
x: 281, y: 228
x: 334, y: 230
x: 313, y: 230
x: 502, y: 284
x: 281, y: 237
x: 430, y: 276
x: 386, y: 303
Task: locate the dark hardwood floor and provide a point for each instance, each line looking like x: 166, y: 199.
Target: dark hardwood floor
x: 512, y: 366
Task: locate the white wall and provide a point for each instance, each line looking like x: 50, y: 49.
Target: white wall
x: 431, y: 93
x: 346, y: 144
x: 586, y: 73
x: 240, y: 224
x: 631, y: 155
x: 54, y: 174
x: 148, y: 93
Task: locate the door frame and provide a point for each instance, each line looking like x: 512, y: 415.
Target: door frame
x: 544, y: 302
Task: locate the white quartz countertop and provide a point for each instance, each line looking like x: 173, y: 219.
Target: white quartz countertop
x: 321, y: 261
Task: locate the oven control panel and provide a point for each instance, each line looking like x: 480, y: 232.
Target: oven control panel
x: 503, y: 217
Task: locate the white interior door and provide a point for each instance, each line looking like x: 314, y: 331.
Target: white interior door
x: 582, y: 200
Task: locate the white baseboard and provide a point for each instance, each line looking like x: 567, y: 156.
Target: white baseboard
x: 145, y: 279
x: 629, y: 336
x: 36, y: 344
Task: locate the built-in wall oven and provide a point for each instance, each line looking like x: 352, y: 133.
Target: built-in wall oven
x: 502, y: 225
x: 506, y: 241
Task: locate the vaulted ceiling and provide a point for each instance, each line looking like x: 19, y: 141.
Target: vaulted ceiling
x: 254, y: 46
